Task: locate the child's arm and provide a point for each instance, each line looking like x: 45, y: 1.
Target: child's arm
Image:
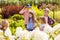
x: 35, y: 24
x: 22, y: 11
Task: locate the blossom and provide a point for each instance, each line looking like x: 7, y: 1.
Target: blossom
x: 8, y: 32
x: 23, y: 34
x: 39, y: 35
x: 57, y: 37
x: 48, y: 28
x: 1, y: 35
x: 56, y: 27
x: 19, y: 33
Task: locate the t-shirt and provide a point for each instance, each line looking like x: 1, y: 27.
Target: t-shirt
x: 26, y: 15
x: 30, y: 24
x: 46, y: 18
x: 42, y: 25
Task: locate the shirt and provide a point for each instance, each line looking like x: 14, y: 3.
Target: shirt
x: 46, y: 18
x: 26, y: 15
x: 31, y: 24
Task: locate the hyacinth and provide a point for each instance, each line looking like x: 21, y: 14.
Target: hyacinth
x: 56, y: 30
x: 56, y: 27
x: 19, y: 33
x: 8, y: 34
x: 23, y: 34
x: 48, y: 29
x: 35, y: 34
x: 57, y: 37
x: 39, y: 35
x: 1, y: 35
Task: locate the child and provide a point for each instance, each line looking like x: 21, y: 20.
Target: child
x: 5, y: 28
x: 25, y: 12
x: 43, y: 22
x: 32, y: 22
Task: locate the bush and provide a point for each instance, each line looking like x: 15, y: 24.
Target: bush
x: 17, y: 17
x: 14, y: 24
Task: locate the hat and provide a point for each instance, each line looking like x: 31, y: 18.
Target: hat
x: 28, y: 5
x: 46, y: 9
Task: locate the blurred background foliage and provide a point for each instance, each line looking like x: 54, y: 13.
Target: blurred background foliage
x: 18, y: 2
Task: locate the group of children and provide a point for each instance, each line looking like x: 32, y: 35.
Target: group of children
x: 30, y: 19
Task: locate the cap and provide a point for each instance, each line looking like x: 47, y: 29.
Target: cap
x: 28, y: 5
x: 46, y: 9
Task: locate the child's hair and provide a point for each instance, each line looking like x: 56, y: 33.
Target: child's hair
x: 43, y: 19
x: 4, y: 23
x: 33, y: 17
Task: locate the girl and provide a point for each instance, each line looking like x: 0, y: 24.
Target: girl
x: 5, y: 28
x: 44, y: 26
x: 32, y: 22
x: 43, y: 23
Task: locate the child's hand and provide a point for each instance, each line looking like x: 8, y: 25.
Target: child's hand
x: 42, y: 28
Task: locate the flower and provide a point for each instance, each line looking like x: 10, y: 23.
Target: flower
x: 39, y: 35
x: 48, y: 28
x: 56, y: 27
x: 19, y: 33
x: 1, y: 35
x: 57, y: 37
x: 8, y: 32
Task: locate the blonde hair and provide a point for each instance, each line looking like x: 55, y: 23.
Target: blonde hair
x: 4, y: 21
x: 43, y: 19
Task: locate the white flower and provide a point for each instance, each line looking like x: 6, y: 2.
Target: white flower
x: 1, y: 31
x: 23, y: 34
x: 19, y: 33
x: 39, y: 35
x: 8, y: 32
x: 12, y: 37
x: 1, y: 35
x: 27, y: 34
x: 57, y: 37
x: 48, y: 28
x: 56, y: 27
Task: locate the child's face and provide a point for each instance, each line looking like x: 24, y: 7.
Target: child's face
x: 4, y: 26
x: 30, y: 15
x: 46, y: 13
x: 41, y: 21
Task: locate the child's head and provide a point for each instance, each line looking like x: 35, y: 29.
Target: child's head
x: 31, y: 14
x: 42, y: 20
x: 46, y: 12
x: 4, y: 24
